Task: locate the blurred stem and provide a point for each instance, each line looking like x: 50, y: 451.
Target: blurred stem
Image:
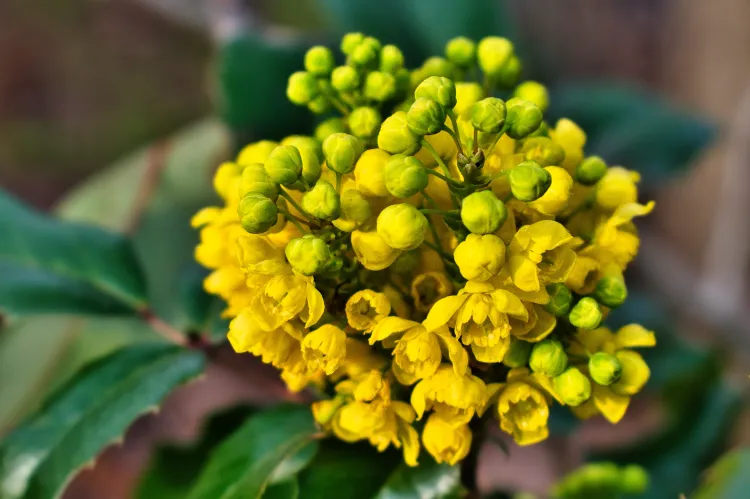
x: 162, y: 328
x: 296, y: 221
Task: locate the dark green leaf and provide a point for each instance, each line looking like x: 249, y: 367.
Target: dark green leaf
x: 202, y: 311
x: 728, y: 478
x: 288, y: 489
x: 429, y: 480
x: 250, y: 459
x: 90, y: 412
x: 53, y: 266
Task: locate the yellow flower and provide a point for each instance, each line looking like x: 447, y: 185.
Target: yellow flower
x: 365, y: 308
x: 296, y: 382
x: 616, y: 240
x: 572, y: 139
x: 539, y: 325
x: 257, y: 152
x: 280, y: 347
x: 539, y: 254
x: 617, y: 187
x: 555, y: 199
x: 585, y: 272
x: 357, y: 421
x: 479, y: 315
x: 227, y: 181
x: 445, y: 441
x: 455, y: 397
x: 428, y: 288
x: 324, y: 348
x: 369, y: 173
x: 285, y: 297
x: 372, y: 251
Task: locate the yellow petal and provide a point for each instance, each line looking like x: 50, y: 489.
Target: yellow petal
x: 315, y: 305
x: 524, y: 272
x: 633, y: 336
x: 456, y: 353
x: 493, y: 354
x: 524, y: 438
x: 510, y: 304
x: 611, y: 405
x: 390, y: 326
x: 205, y: 216
x: 586, y: 410
x: 403, y: 377
x: 410, y: 440
x: 443, y: 310
x: 635, y: 373
x: 418, y: 399
x: 544, y: 325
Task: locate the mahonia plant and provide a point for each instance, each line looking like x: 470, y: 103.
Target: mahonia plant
x: 434, y: 255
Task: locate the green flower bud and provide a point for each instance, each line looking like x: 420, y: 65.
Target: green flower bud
x: 633, y: 479
x: 402, y: 226
x: 304, y: 142
x: 257, y: 213
x: 341, y: 151
x: 518, y: 354
x: 529, y: 181
x: 391, y: 59
x: 488, y: 115
x: 590, y: 170
x: 572, y: 386
x: 322, y: 201
x: 535, y: 92
x: 404, y: 176
x: 255, y: 180
x: 319, y: 105
x: 405, y: 263
x: 319, y: 61
x: 365, y: 54
x: 523, y: 117
x: 542, y: 131
x: 543, y: 150
x: 604, y: 368
x: 435, y: 66
x: 600, y: 480
x: 586, y: 314
x: 380, y: 86
x: 611, y: 291
x: 364, y: 122
x: 425, y: 117
x: 345, y: 79
x: 548, y: 357
x: 461, y: 51
x: 308, y: 254
x: 284, y: 165
x: 302, y: 88
x: 437, y: 88
x: 355, y: 211
x: 560, y: 299
x: 483, y: 213
x: 350, y: 41
x: 396, y: 137
x: 494, y: 54
x: 508, y: 77
x: 329, y: 127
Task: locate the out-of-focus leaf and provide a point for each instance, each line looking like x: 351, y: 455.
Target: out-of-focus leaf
x: 202, y: 310
x: 728, y: 478
x: 92, y: 411
x: 429, y: 480
x: 252, y: 457
x: 288, y: 489
x: 50, y: 266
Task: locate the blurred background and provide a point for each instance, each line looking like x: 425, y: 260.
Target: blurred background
x: 115, y: 112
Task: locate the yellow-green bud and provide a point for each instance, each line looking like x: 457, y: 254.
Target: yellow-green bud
x: 345, y: 79
x: 319, y: 61
x: 304, y: 142
x: 395, y: 136
x: 255, y: 180
x: 482, y: 212
x: 308, y: 254
x: 364, y: 122
x: 633, y: 479
x: 461, y: 51
x: 611, y: 291
x: 402, y: 226
x: 543, y: 150
x: 311, y: 153
x: 425, y: 117
x: 257, y: 213
x: 355, y: 210
x: 590, y: 170
x: 350, y: 41
x: 518, y: 353
x: 319, y: 105
x: 405, y: 263
x: 391, y: 59
x: 404, y: 176
x: 560, y: 299
x: 604, y: 368
x: 523, y: 117
x: 494, y: 54
x: 322, y: 201
x: 480, y: 257
x: 586, y: 314
x: 534, y: 92
x: 341, y: 151
x: 438, y: 88
x: 329, y: 127
x: 529, y: 181
x: 380, y: 86
x: 510, y: 74
x: 365, y: 54
x: 542, y: 131
x: 572, y: 386
x: 433, y: 66
x: 488, y: 115
x: 284, y: 165
x: 548, y: 357
x: 302, y: 88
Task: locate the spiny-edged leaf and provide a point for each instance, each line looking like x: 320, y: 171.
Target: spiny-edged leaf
x: 429, y: 480
x: 53, y: 266
x: 728, y: 478
x: 248, y: 461
x: 90, y: 412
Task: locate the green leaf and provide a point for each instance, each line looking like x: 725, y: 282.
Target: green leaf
x: 429, y: 480
x: 90, y: 412
x: 202, y: 311
x: 728, y: 478
x: 288, y: 489
x: 52, y: 266
x: 249, y: 460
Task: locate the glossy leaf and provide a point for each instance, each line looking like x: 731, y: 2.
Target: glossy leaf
x: 90, y: 412
x: 429, y: 480
x: 728, y: 478
x: 288, y: 489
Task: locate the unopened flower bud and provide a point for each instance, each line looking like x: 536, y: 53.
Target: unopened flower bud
x: 482, y: 212
x: 364, y: 122
x: 604, y: 368
x: 523, y: 117
x: 617, y: 187
x: 365, y: 54
x: 355, y: 211
x: 535, y: 92
x: 405, y: 176
x: 255, y: 180
x: 284, y: 165
x: 543, y: 150
x: 435, y: 66
x: 369, y: 173
x: 372, y: 251
x: 308, y: 254
x: 573, y: 387
x: 591, y: 170
x: 480, y: 257
x: 548, y: 357
x: 508, y: 77
x: 350, y: 41
x: 425, y: 117
x: 391, y: 59
x: 319, y: 105
x: 319, y: 61
x: 586, y: 314
x: 302, y: 88
x: 311, y: 153
x: 345, y: 79
x: 380, y: 86
x: 396, y: 137
x: 633, y: 479
x: 529, y: 181
x: 560, y: 299
x: 322, y: 201
x: 341, y: 151
x: 329, y: 127
x: 402, y: 226
x: 257, y: 213
x: 461, y: 51
x: 494, y: 54
x: 257, y: 152
x: 438, y: 88
x: 611, y: 291
x: 488, y: 115
x: 518, y: 353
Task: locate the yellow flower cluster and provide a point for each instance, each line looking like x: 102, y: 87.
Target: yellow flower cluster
x: 427, y: 271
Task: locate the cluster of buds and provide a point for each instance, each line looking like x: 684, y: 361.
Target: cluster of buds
x: 597, y: 480
x: 450, y: 263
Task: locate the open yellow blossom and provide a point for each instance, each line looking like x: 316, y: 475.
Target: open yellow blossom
x: 280, y: 347
x: 428, y: 288
x: 365, y: 308
x: 539, y: 254
x: 397, y: 430
x: 455, y: 397
x: 618, y: 187
x: 555, y: 199
x: 616, y: 240
x: 324, y: 348
x: 539, y: 325
x: 572, y: 139
x: 285, y: 297
x: 227, y: 182
x: 445, y: 441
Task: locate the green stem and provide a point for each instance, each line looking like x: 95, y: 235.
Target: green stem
x: 296, y: 221
x: 429, y: 199
x: 291, y: 201
x: 457, y: 136
x: 340, y: 106
x: 338, y: 182
x: 442, y: 213
x: 443, y: 167
x: 444, y: 178
x: 438, y: 250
